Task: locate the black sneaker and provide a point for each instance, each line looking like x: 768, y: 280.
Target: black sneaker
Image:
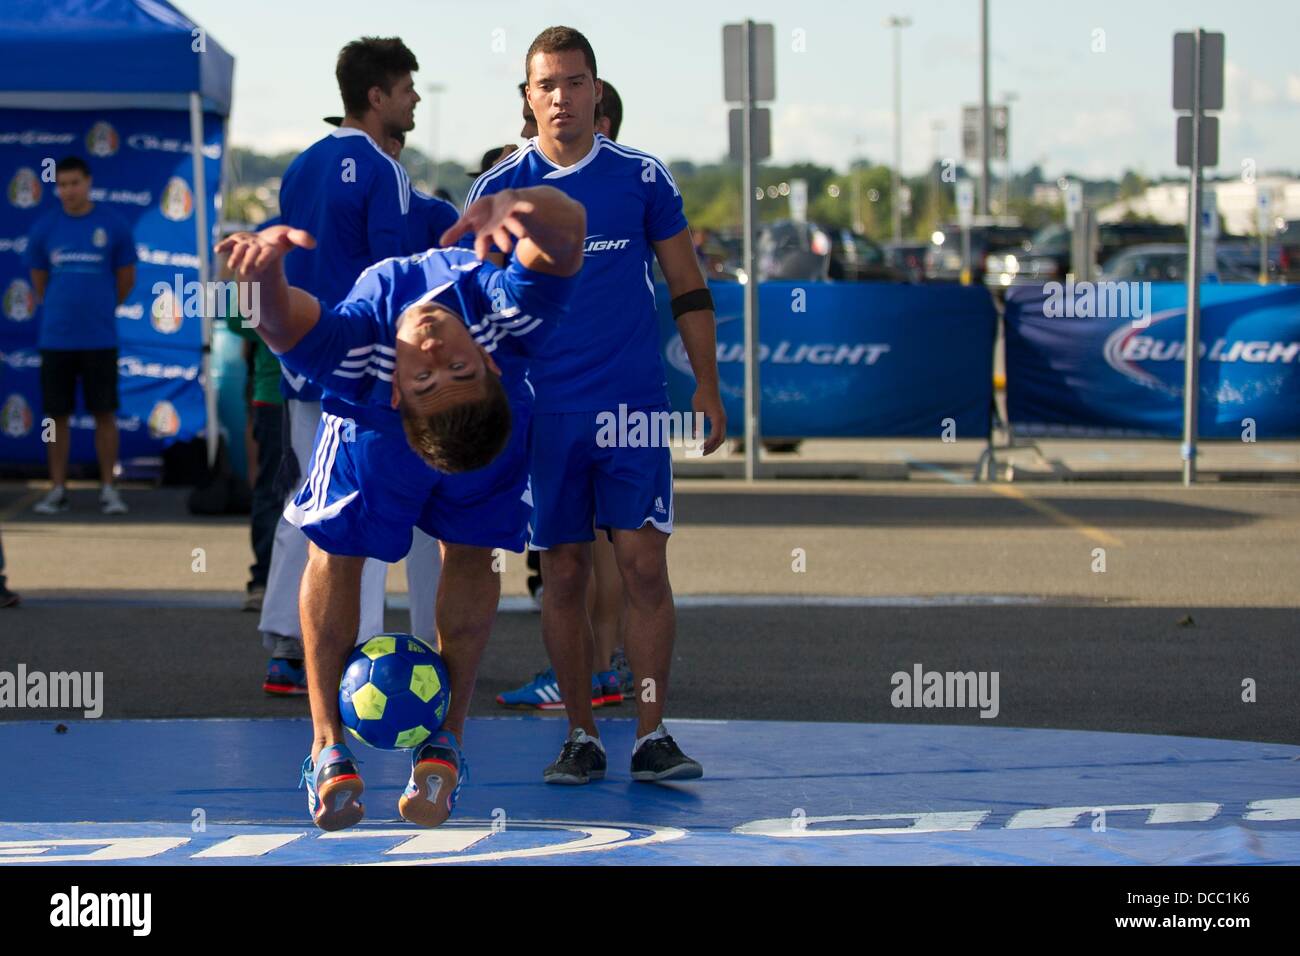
x: 7, y: 598
x: 662, y: 759
x: 581, y: 759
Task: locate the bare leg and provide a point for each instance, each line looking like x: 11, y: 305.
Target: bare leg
x: 651, y: 619
x: 468, y: 592
x: 566, y: 629
x: 105, y: 445
x: 330, y: 610
x: 58, y: 450
x: 606, y: 604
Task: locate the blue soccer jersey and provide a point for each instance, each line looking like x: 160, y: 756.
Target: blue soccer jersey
x: 351, y: 351
x: 606, y: 350
x: 82, y: 255
x: 354, y: 199
x: 428, y: 219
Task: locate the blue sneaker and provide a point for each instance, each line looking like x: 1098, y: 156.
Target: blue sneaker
x: 285, y: 678
x: 543, y: 693
x: 334, y: 788
x: 610, y: 688
x: 437, y: 772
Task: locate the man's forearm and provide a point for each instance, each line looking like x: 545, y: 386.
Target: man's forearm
x: 556, y: 230
x: 699, y: 338
x: 283, y: 314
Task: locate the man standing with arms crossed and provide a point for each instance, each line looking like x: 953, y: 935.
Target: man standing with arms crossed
x: 606, y: 354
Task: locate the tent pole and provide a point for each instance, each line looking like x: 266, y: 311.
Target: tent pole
x: 202, y: 240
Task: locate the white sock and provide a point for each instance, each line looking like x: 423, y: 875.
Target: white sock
x: 655, y: 734
x: 594, y: 740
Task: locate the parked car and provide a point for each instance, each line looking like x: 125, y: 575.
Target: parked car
x: 943, y: 257
x: 907, y: 259
x: 1167, y: 262
x: 1047, y: 257
x: 807, y: 252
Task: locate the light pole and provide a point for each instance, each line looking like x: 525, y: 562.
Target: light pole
x: 936, y: 130
x: 434, y: 90
x: 1007, y: 100
x: 984, y: 108
x: 897, y: 24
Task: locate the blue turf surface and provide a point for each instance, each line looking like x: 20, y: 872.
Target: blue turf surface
x: 166, y: 791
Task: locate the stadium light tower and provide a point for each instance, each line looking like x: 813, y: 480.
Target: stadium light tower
x: 897, y: 24
x: 1007, y: 98
x: 434, y: 90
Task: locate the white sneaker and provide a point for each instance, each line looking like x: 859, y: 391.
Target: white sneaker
x: 55, y: 502
x: 110, y: 502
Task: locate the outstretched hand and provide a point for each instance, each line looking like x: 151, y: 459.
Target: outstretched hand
x: 251, y: 255
x: 499, y: 218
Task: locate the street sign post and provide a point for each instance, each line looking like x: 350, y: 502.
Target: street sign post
x: 965, y: 213
x: 1197, y: 86
x: 749, y: 76
x: 1264, y: 226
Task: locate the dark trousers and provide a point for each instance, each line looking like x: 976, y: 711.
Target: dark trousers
x: 268, y: 432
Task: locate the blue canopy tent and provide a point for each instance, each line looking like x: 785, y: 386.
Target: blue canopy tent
x: 116, y: 55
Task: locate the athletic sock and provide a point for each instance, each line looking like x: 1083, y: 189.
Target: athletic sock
x: 655, y: 734
x: 594, y: 740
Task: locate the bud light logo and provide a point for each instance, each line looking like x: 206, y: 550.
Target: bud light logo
x: 25, y: 189
x: 1152, y: 355
x: 164, y: 420
x: 102, y: 140
x: 19, y: 303
x: 177, y: 200
x: 15, y: 417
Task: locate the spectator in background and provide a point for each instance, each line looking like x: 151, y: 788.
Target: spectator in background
x: 530, y: 121
x: 609, y: 111
x: 7, y: 597
x: 82, y: 262
x: 490, y: 159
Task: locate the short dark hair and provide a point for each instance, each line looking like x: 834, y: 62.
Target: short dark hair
x: 464, y: 437
x: 560, y: 40
x: 71, y: 164
x: 611, y: 106
x: 370, y: 62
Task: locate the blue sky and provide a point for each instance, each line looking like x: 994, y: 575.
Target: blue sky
x: 1094, y: 113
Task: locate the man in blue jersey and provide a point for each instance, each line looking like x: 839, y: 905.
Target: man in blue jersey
x: 353, y: 197
x: 404, y: 361
x: 604, y: 356
x: 82, y: 262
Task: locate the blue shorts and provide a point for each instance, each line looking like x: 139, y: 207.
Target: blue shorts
x: 578, y: 485
x: 366, y: 489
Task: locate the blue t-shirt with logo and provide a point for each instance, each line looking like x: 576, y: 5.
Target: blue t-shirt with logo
x: 82, y: 255
x: 606, y: 350
x: 351, y: 352
x: 353, y: 198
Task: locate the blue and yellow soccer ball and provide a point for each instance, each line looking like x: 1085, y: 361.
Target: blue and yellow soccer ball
x: 394, y: 693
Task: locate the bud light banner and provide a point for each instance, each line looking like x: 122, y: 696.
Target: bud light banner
x: 141, y: 168
x: 851, y: 359
x: 1077, y: 365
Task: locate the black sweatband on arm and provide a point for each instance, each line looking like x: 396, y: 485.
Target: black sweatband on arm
x: 697, y: 300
